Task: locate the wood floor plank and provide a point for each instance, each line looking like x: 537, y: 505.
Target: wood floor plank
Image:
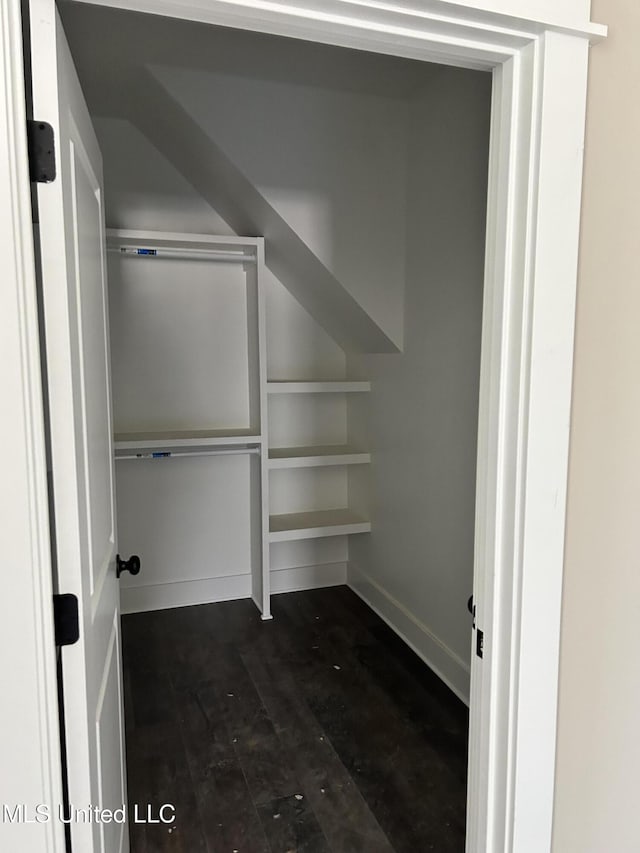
x: 158, y: 775
x: 228, y: 813
x: 280, y: 693
x: 225, y: 805
x: 291, y: 827
x: 340, y: 809
x: 201, y: 724
x: 375, y: 741
x: 269, y: 770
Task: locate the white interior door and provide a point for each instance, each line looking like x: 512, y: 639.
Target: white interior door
x: 72, y: 234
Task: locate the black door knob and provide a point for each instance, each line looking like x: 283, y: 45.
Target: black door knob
x: 131, y: 565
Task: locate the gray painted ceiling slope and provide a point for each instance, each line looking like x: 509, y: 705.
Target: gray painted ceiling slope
x: 108, y: 44
x: 114, y: 52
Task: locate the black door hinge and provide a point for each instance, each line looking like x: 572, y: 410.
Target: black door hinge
x: 65, y: 619
x: 472, y: 610
x: 42, y: 152
x: 480, y: 643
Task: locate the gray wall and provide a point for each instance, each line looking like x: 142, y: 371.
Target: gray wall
x: 421, y: 419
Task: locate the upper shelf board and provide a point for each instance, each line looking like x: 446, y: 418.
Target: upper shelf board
x: 316, y: 386
x: 185, y: 438
x: 316, y: 457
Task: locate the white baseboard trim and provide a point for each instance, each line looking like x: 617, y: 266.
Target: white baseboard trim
x: 161, y: 596
x: 308, y: 577
x: 445, y: 663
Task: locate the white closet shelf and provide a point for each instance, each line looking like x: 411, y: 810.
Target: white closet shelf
x: 316, y: 457
x: 316, y: 386
x: 315, y: 525
x: 185, y: 439
x: 127, y: 239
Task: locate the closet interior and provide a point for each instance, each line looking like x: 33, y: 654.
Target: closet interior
x: 295, y: 260
x: 295, y: 239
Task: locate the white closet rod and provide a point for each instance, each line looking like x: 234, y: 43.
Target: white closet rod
x: 166, y: 454
x: 183, y: 254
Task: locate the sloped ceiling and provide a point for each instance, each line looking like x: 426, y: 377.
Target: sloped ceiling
x: 115, y: 53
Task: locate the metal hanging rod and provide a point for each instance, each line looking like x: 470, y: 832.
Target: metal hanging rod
x: 183, y: 254
x: 170, y: 454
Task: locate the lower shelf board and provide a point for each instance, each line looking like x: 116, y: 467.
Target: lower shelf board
x: 315, y: 525
x: 316, y: 386
x: 316, y: 457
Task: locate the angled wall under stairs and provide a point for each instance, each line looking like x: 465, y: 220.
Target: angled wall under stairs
x: 203, y: 164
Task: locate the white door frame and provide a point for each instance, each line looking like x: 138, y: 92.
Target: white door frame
x: 29, y: 730
x: 537, y: 133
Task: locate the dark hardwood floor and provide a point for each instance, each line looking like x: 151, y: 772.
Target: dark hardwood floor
x: 319, y: 731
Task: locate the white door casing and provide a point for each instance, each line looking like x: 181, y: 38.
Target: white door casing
x: 29, y: 732
x: 533, y: 214
x: 72, y: 240
x: 539, y: 61
x: 539, y: 66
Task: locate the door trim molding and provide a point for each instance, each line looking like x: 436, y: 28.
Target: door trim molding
x: 29, y: 722
x: 539, y: 71
x: 452, y: 33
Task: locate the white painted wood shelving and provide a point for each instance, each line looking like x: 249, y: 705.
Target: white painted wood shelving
x: 188, y: 322
x: 316, y: 386
x: 316, y: 457
x: 314, y: 525
x: 184, y: 439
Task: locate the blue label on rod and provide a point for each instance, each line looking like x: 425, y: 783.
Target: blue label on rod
x: 160, y: 454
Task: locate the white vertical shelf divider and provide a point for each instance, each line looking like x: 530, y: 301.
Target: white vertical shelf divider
x: 264, y: 604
